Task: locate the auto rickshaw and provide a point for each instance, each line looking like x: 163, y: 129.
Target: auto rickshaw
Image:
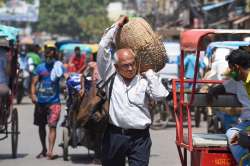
x: 205, y: 149
x: 68, y: 50
x: 9, y: 114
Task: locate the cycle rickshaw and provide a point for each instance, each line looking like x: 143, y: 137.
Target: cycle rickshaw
x: 205, y: 149
x: 9, y: 114
x: 221, y: 119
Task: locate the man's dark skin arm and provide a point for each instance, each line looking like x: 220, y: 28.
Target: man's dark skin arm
x: 213, y: 92
x: 82, y: 69
x: 33, y: 89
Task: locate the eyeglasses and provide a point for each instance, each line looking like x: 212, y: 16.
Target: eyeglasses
x: 126, y: 66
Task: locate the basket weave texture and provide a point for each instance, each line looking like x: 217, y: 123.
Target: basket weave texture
x: 139, y: 36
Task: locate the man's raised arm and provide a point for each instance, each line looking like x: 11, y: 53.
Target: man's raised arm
x: 104, y: 58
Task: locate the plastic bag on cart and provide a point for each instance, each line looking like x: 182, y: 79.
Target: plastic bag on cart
x: 74, y: 82
x: 73, y: 85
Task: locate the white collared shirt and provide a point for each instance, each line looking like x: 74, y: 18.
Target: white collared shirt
x: 128, y: 104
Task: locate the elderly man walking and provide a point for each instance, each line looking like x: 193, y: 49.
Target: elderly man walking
x: 127, y: 134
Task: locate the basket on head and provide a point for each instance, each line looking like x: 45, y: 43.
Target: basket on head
x: 139, y: 36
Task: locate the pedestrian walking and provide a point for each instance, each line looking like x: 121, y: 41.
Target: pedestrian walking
x: 127, y: 134
x: 45, y: 92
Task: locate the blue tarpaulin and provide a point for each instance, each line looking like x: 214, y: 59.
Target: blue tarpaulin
x: 225, y: 44
x: 71, y: 47
x: 216, y: 5
x: 8, y: 32
x: 59, y: 44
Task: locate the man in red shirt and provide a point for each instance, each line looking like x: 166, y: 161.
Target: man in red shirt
x: 77, y: 61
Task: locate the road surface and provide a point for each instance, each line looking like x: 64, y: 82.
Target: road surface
x: 163, y: 152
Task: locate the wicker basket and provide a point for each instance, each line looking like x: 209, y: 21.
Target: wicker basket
x: 139, y: 36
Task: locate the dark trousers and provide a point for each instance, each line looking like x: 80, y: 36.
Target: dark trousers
x: 119, y: 144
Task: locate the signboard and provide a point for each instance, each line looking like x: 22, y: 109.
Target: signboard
x: 20, y: 11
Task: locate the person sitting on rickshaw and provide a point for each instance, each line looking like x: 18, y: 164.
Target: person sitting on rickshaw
x: 239, y: 64
x: 77, y: 61
x: 5, y: 71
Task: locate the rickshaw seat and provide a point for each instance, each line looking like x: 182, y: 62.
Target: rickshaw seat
x: 207, y: 140
x: 225, y: 100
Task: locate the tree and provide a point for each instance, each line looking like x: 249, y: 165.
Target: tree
x: 82, y: 19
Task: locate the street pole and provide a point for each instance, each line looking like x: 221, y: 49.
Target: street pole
x: 155, y: 14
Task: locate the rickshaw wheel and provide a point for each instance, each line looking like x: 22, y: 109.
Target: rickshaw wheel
x: 65, y: 143
x: 14, y: 132
x: 160, y: 117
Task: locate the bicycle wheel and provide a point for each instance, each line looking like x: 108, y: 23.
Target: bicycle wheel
x: 14, y: 132
x: 65, y: 143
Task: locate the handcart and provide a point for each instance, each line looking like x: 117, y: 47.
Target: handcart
x: 205, y: 149
x: 76, y: 131
x: 9, y: 114
x: 71, y: 134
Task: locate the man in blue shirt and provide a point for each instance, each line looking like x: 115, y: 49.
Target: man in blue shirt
x: 45, y: 93
x: 189, y: 63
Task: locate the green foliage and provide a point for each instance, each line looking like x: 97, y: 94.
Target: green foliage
x: 83, y: 19
x: 29, y: 1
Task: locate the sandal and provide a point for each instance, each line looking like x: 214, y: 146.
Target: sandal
x: 96, y: 161
x: 52, y: 157
x: 41, y: 155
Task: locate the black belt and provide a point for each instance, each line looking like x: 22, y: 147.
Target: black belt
x: 127, y: 131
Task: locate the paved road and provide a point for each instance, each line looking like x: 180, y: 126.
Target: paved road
x: 163, y: 152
